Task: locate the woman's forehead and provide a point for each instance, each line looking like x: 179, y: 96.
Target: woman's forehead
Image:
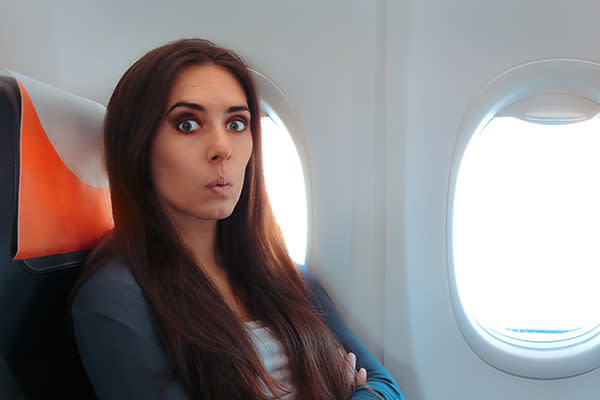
x: 207, y: 84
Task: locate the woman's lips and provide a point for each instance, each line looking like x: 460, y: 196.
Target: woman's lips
x: 220, y: 187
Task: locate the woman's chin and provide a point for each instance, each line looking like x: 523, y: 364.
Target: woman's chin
x: 223, y: 214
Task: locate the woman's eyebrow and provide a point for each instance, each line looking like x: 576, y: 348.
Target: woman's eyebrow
x: 233, y: 109
x: 193, y: 106
x: 199, y: 107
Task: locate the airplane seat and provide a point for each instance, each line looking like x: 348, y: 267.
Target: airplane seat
x: 8, y: 386
x: 54, y: 205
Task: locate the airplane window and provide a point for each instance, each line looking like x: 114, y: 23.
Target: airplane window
x: 285, y: 184
x: 523, y: 220
x: 526, y: 231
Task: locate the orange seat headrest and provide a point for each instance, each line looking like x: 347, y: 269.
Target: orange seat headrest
x: 63, y: 197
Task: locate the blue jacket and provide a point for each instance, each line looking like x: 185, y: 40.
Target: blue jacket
x: 123, y: 355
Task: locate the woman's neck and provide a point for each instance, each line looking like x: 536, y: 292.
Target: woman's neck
x: 200, y: 239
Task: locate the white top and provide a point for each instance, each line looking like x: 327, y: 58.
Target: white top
x: 274, y: 359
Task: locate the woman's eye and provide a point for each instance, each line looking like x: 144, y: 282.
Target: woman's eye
x: 236, y: 125
x: 187, y: 126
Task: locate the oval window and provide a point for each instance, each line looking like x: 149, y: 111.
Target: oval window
x: 284, y: 179
x: 526, y: 230
x: 524, y: 221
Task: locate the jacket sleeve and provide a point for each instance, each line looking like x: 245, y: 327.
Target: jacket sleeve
x: 378, y: 378
x: 117, y: 339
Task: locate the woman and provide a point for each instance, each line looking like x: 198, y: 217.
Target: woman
x: 192, y: 294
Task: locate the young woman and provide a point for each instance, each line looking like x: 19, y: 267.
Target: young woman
x: 192, y: 295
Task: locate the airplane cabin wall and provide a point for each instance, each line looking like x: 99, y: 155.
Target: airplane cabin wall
x: 455, y: 49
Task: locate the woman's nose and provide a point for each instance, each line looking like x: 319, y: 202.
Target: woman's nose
x: 220, y: 146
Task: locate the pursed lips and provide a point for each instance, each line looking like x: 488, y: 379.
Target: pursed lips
x: 220, y: 186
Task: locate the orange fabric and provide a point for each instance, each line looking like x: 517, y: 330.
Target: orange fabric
x: 58, y: 213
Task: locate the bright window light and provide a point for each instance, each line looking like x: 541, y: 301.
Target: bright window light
x: 526, y: 231
x: 285, y: 185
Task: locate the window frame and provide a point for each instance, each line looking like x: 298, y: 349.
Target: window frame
x: 566, y: 76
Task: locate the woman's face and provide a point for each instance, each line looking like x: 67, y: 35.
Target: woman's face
x: 202, y: 146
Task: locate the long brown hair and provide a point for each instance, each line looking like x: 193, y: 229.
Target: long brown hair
x: 208, y: 347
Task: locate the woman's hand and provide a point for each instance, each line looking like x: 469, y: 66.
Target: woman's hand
x: 360, y: 377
